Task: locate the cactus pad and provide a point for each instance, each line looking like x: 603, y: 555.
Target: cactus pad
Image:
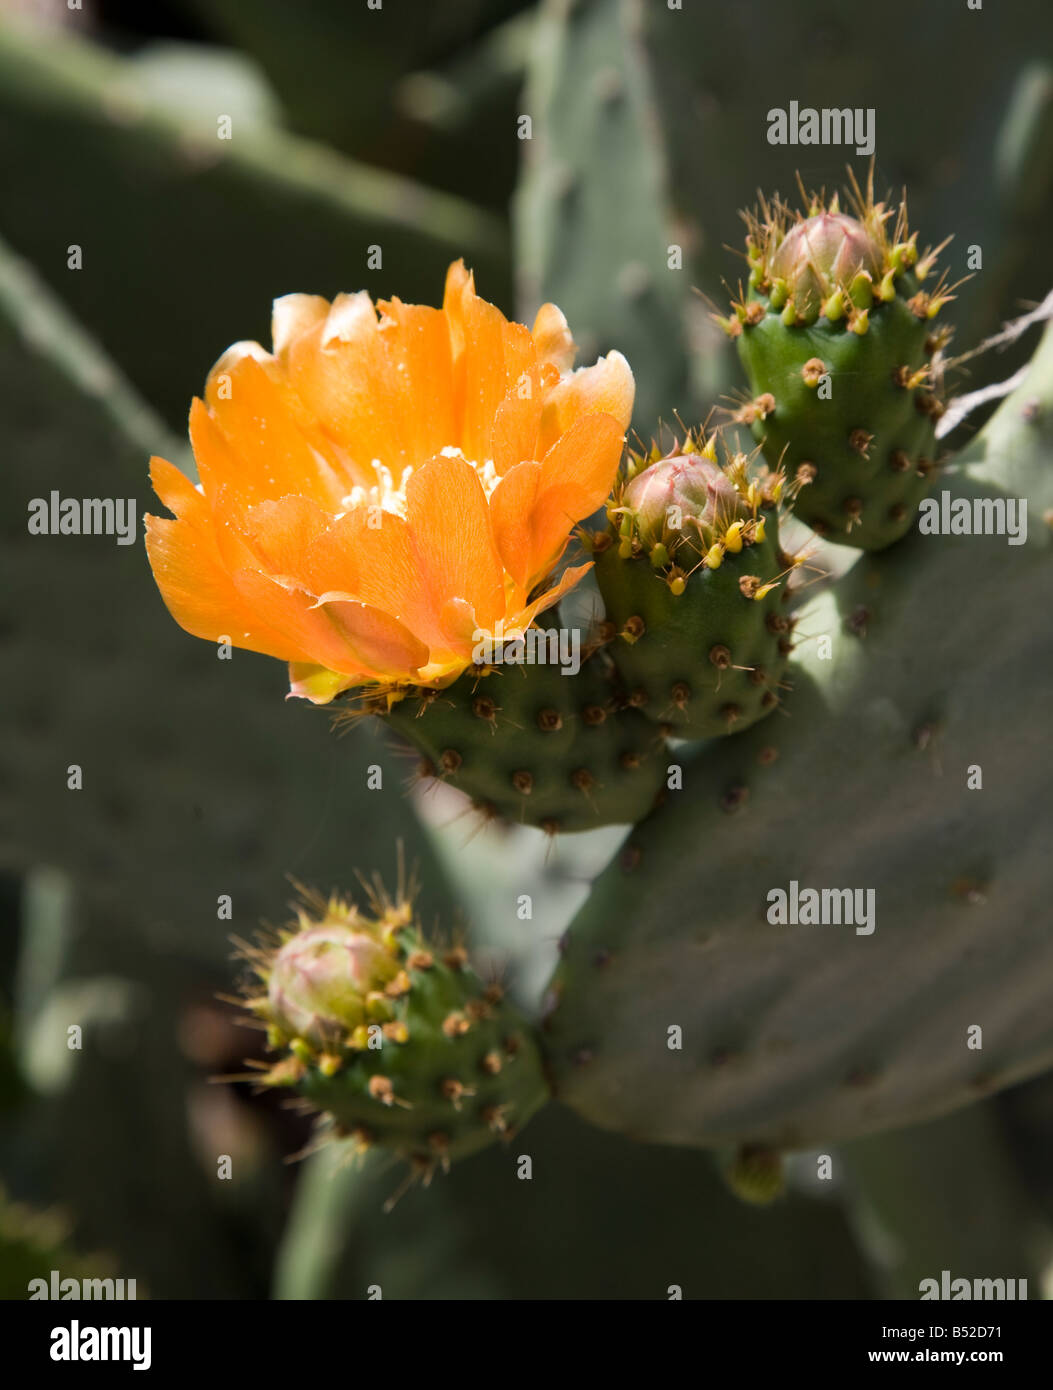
x: 527, y: 743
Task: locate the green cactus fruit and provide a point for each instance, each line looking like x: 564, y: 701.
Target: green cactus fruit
x: 396, y: 1042
x: 537, y: 746
x: 692, y: 579
x: 837, y: 339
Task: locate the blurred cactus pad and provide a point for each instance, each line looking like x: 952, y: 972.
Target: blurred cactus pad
x: 693, y: 942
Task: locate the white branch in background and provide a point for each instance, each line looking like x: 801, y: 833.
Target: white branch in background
x: 961, y: 406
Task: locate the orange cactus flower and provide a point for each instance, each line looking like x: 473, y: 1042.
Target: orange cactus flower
x: 380, y: 491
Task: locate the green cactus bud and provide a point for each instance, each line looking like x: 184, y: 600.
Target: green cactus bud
x: 835, y: 331
x: 395, y: 1041
x: 699, y: 635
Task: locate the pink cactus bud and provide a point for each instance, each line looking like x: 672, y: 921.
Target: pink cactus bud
x: 679, y: 495
x: 823, y: 252
x: 320, y: 979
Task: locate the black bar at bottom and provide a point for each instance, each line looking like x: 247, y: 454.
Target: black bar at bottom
x: 271, y: 1340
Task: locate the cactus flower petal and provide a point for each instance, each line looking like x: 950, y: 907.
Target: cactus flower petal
x: 389, y: 481
x: 535, y: 505
x: 552, y: 338
x: 200, y: 593
x: 607, y: 387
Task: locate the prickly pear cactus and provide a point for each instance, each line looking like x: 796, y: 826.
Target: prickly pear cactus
x: 693, y: 582
x: 388, y: 483
x: 692, y: 574
x: 838, y: 338
x: 395, y: 1041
